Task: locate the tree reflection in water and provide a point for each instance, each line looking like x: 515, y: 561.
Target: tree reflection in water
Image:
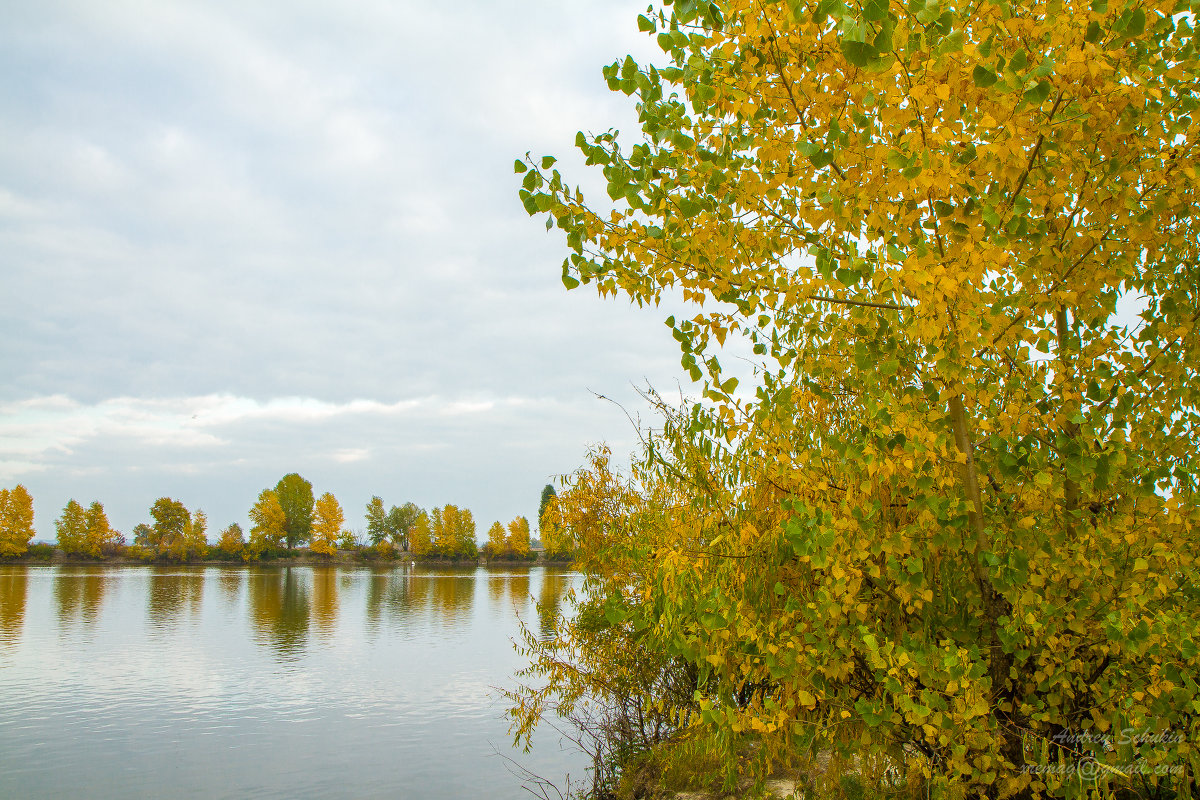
x: 230, y: 583
x: 554, y: 587
x: 451, y: 595
x: 79, y: 593
x: 325, y: 599
x: 174, y: 593
x: 13, y: 589
x: 388, y: 597
x: 279, y: 610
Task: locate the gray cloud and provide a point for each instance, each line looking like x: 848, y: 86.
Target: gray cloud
x: 208, y: 207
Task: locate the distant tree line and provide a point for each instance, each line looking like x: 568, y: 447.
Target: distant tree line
x: 283, y: 520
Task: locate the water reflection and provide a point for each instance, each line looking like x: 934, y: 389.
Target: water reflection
x: 279, y: 611
x: 173, y: 596
x: 451, y: 596
x: 211, y: 671
x: 554, y: 587
x: 497, y: 592
x: 13, y: 590
x: 230, y: 583
x: 389, y: 595
x: 518, y: 592
x: 79, y: 593
x: 325, y: 599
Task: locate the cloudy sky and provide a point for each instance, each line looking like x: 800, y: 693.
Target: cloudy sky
x: 244, y: 239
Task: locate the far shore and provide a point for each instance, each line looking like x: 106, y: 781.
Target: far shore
x: 297, y: 558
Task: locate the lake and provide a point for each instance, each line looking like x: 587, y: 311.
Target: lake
x: 266, y: 681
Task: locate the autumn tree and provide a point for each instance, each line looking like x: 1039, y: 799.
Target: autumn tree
x: 517, y: 541
x: 268, y: 525
x: 296, y: 499
x: 453, y: 531
x: 232, y: 541
x: 953, y: 519
x: 170, y: 532
x: 100, y: 539
x: 497, y: 541
x: 558, y: 540
x: 327, y: 525
x: 377, y: 523
x: 421, y: 542
x: 71, y: 528
x: 16, y: 521
x: 194, y: 542
x: 548, y: 495
x: 400, y: 522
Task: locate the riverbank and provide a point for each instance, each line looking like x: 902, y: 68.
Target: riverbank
x: 48, y: 554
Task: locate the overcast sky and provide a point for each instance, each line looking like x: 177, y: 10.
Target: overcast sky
x: 244, y: 239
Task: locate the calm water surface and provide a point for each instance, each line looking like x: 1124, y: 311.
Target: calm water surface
x: 265, y: 682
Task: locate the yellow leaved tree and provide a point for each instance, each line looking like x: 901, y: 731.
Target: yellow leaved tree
x: 328, y: 519
x: 517, y: 541
x: 232, y: 541
x: 16, y: 521
x: 497, y: 542
x: 421, y: 542
x: 99, y: 537
x: 951, y: 526
x: 268, y: 525
x: 71, y: 528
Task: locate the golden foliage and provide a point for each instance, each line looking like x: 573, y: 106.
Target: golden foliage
x: 16, y: 521
x: 954, y: 519
x: 328, y: 519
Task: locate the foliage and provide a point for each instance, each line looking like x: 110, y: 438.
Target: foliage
x: 100, y: 539
x: 169, y: 535
x: 232, y: 541
x: 193, y: 543
x: 517, y: 542
x: 327, y: 525
x: 16, y: 521
x: 71, y: 528
x: 548, y: 494
x: 385, y: 549
x: 452, y: 530
x: 953, y: 523
x: 400, y: 522
x: 496, y: 542
x: 558, y: 540
x: 267, y: 525
x: 377, y: 526
x: 296, y: 499
x: 349, y: 540
x: 421, y: 539
x: 40, y: 550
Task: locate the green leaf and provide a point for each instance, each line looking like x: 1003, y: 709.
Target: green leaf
x: 519, y: 166
x: 1020, y: 61
x: 1137, y: 23
x: 645, y: 23
x: 860, y: 54
x: 821, y: 159
x: 548, y: 162
x: 568, y: 280
x: 983, y: 76
x: 875, y: 10
x: 1039, y: 93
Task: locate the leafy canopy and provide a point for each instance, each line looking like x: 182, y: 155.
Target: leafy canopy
x: 955, y: 514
